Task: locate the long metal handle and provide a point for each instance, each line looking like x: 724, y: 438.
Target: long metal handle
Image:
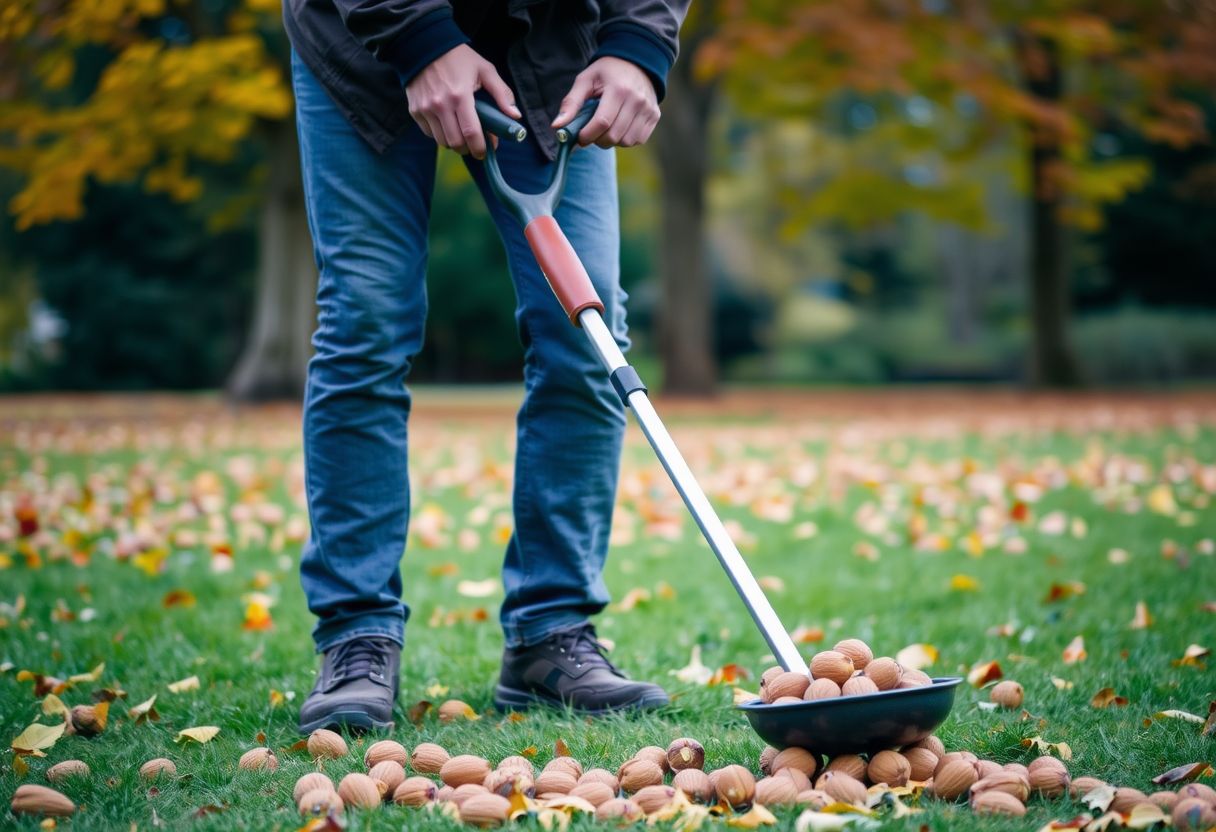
x: 698, y: 504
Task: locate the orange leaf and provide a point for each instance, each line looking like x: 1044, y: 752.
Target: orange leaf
x: 1107, y: 697
x: 917, y: 656
x: 178, y: 598
x: 984, y: 672
x: 443, y: 570
x: 1181, y: 774
x: 418, y: 711
x: 633, y: 598
x: 1142, y: 620
x: 257, y: 617
x: 560, y: 749
x: 1075, y: 651
x: 807, y: 635
x: 528, y: 752
x: 1192, y: 656
x: 964, y: 583
x: 728, y: 674
x: 1064, y: 591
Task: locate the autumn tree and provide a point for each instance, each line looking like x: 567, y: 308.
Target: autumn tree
x: 1056, y: 72
x: 145, y: 91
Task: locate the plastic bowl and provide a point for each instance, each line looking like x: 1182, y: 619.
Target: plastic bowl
x: 855, y: 724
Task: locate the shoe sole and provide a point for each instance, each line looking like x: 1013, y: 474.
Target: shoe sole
x: 514, y: 699
x: 356, y: 721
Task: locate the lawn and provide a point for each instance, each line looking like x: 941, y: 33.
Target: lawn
x: 992, y: 527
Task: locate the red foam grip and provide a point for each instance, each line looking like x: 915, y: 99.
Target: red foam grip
x: 565, y: 272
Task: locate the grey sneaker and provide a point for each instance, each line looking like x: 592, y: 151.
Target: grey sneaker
x: 356, y: 688
x: 570, y: 669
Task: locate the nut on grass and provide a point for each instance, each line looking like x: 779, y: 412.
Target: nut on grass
x: 463, y: 793
x: 600, y: 775
x: 884, y: 672
x: 858, y: 686
x: 921, y: 763
x: 654, y: 754
x: 566, y: 763
x: 382, y: 750
x: 317, y: 803
x: 842, y: 787
x: 308, y: 782
x: 619, y: 809
x: 89, y: 720
x: 695, y: 785
x: 1125, y: 799
x: 654, y: 798
x: 388, y: 772
x: 776, y: 791
x: 850, y: 764
x: 258, y: 759
x: 638, y: 773
x: 685, y: 752
x: 822, y: 689
x: 952, y: 756
x: 952, y: 779
x: 596, y: 792
x: 428, y: 758
x: 1166, y: 801
x: 324, y: 744
x: 1193, y: 815
x: 516, y: 762
x: 1202, y: 791
x: 454, y: 710
x: 508, y: 781
x: 31, y: 799
x: 857, y: 650
x: 1007, y: 694
x: 68, y: 768
x: 983, y: 768
x: 795, y: 758
x: 734, y: 784
x: 463, y: 768
x: 997, y: 803
x: 1049, y: 781
x: 415, y: 791
x: 932, y: 743
x: 485, y: 810
x: 767, y: 755
x: 814, y: 799
x: 828, y: 664
x: 889, y: 767
x: 158, y: 767
x: 1009, y: 782
x: 359, y: 790
x: 556, y: 780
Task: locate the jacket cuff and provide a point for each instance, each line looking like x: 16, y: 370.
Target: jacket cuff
x: 418, y: 46
x: 640, y: 46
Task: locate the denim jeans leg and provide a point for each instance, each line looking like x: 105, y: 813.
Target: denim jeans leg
x: 368, y: 216
x: 571, y: 424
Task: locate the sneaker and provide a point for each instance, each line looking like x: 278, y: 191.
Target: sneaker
x: 356, y: 689
x: 569, y: 669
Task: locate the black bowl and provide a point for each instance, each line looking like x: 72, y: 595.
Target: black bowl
x: 855, y: 724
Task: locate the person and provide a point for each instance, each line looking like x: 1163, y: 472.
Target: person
x: 368, y: 156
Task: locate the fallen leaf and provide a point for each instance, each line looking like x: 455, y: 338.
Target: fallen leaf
x: 964, y: 583
x: 1099, y: 799
x: 257, y: 617
x: 1060, y: 749
x: 1107, y: 697
x: 52, y: 705
x: 178, y: 598
x: 479, y: 589
x: 1145, y: 816
x: 144, y: 710
x: 1191, y: 657
x: 694, y: 673
x: 1064, y: 591
x: 807, y: 635
x: 418, y: 711
x: 758, y: 816
x: 42, y: 684
x: 665, y: 591
x: 634, y: 597
x: 1142, y: 619
x: 1061, y: 684
x: 200, y: 734
x: 1209, y: 726
x: 184, y: 685
x: 1183, y: 774
x: 728, y: 674
x: 37, y: 737
x: 329, y: 823
x: 560, y: 749
x: 772, y: 583
x: 1075, y: 651
x: 437, y: 690
x: 20, y: 766
x: 740, y: 696
x: 1161, y: 500
x: 984, y: 672
x: 516, y: 716
x: 1078, y: 822
x: 917, y: 656
x: 442, y: 570
x: 1183, y: 715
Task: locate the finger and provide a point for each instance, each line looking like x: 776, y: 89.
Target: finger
x: 580, y: 91
x: 605, y: 116
x: 630, y: 131
x: 419, y: 118
x: 643, y: 129
x: 432, y: 129
x: 452, y: 131
x: 615, y: 134
x: 470, y: 128
x: 492, y: 83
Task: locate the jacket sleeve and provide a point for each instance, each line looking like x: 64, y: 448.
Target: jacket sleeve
x: 405, y: 34
x: 643, y: 32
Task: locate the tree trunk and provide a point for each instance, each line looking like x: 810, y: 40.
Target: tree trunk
x: 685, y: 319
x: 274, y: 362
x: 1052, y: 361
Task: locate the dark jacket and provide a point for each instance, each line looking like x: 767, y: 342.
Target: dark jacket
x: 363, y: 52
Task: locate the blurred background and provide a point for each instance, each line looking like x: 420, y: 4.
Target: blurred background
x: 840, y: 192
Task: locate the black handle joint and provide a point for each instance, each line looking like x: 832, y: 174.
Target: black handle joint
x: 569, y: 133
x: 626, y: 381
x: 494, y: 120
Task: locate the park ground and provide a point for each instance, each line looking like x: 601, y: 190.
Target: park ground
x: 160, y: 536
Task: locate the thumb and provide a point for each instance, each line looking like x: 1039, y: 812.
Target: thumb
x: 574, y: 99
x: 492, y: 83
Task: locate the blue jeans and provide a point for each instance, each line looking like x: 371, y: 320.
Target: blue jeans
x: 368, y: 216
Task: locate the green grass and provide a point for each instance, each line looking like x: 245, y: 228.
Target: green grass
x: 143, y: 457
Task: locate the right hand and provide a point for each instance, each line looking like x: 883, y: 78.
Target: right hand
x: 441, y: 99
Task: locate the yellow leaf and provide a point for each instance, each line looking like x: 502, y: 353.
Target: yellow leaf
x: 200, y: 734
x: 478, y: 589
x: 1161, y: 500
x: 37, y: 737
x: 1075, y: 651
x: 740, y: 696
x: 20, y: 766
x: 92, y: 676
x: 277, y: 698
x: 1107, y: 697
x: 1061, y: 684
x: 984, y: 672
x: 917, y: 656
x: 1191, y: 656
x: 437, y: 690
x: 757, y: 817
x: 964, y: 583
x: 1142, y: 620
x: 1060, y: 749
x: 52, y: 705
x: 144, y: 710
x: 633, y: 598
x: 665, y: 591
x: 183, y: 685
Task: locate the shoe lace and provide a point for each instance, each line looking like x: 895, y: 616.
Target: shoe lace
x: 358, y: 657
x: 582, y: 647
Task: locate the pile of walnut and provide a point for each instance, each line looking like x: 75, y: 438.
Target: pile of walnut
x: 651, y: 781
x: 848, y: 669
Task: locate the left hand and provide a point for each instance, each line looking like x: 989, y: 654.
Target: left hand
x: 628, y: 110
